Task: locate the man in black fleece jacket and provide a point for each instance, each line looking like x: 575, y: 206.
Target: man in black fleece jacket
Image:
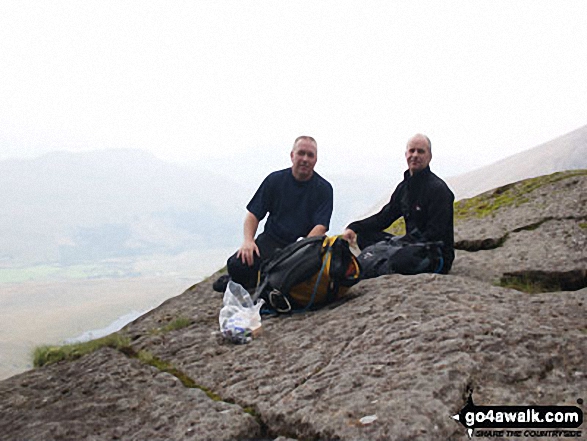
x: 422, y: 198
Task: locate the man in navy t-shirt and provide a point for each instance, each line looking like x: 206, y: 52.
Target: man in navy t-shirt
x: 299, y: 202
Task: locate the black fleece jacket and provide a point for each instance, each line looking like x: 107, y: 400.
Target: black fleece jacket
x: 426, y: 203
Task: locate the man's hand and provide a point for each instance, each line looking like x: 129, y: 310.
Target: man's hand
x: 350, y: 236
x: 247, y: 251
x: 318, y: 230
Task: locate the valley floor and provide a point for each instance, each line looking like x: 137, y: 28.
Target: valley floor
x: 37, y: 313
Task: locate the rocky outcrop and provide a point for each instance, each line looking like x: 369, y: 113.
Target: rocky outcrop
x: 107, y: 395
x: 534, y: 231
x: 403, y: 351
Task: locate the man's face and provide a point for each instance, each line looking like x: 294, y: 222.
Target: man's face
x: 418, y: 155
x: 303, y: 158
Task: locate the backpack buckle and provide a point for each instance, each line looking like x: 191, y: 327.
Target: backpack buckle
x: 279, y: 302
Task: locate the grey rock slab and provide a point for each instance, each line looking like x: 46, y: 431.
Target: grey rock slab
x: 566, y: 198
x: 106, y: 395
x: 403, y: 348
x: 555, y: 246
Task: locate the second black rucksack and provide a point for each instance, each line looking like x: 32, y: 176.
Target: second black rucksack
x: 401, y: 255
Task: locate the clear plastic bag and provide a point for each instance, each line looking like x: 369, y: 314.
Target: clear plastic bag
x: 239, y: 318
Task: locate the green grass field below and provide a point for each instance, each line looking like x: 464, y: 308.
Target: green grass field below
x: 43, y: 273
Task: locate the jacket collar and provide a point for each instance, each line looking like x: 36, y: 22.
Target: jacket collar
x: 417, y: 177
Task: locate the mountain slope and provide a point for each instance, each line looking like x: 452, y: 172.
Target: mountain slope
x: 567, y: 152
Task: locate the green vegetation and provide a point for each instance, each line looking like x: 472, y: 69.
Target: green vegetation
x: 583, y: 225
x: 41, y: 273
x: 251, y: 411
x: 17, y: 275
x: 45, y: 355
x: 509, y: 195
x: 398, y: 228
x: 178, y: 323
x: 148, y: 358
x: 528, y: 285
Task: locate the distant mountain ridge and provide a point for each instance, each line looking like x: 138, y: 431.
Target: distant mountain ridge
x: 82, y: 207
x: 70, y: 208
x: 567, y: 152
x: 74, y: 207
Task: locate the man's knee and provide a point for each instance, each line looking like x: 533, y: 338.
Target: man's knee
x: 248, y: 276
x: 242, y: 273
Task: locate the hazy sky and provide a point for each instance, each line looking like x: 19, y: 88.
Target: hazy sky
x: 205, y: 81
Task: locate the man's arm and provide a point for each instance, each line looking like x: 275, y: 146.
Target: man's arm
x: 247, y: 251
x: 388, y: 214
x: 439, y: 225
x: 376, y: 222
x: 321, y: 216
x: 318, y: 230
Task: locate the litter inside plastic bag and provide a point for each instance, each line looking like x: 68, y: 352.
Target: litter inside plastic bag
x: 240, y: 319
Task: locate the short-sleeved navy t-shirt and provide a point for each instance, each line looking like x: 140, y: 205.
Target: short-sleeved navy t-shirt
x: 294, y: 207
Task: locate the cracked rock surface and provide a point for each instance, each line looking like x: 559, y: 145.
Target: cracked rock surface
x: 106, y: 395
x: 555, y: 246
x: 544, y: 230
x: 564, y: 197
x: 400, y: 350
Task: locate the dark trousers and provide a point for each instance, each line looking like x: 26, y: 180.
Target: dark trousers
x: 246, y: 275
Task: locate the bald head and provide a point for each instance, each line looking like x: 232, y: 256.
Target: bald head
x: 419, y: 137
x: 418, y: 153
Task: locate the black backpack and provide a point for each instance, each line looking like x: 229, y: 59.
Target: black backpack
x: 401, y: 255
x: 308, y: 273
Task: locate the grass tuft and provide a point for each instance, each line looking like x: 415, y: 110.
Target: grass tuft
x: 44, y: 355
x: 178, y: 323
x: 148, y: 358
x: 528, y: 285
